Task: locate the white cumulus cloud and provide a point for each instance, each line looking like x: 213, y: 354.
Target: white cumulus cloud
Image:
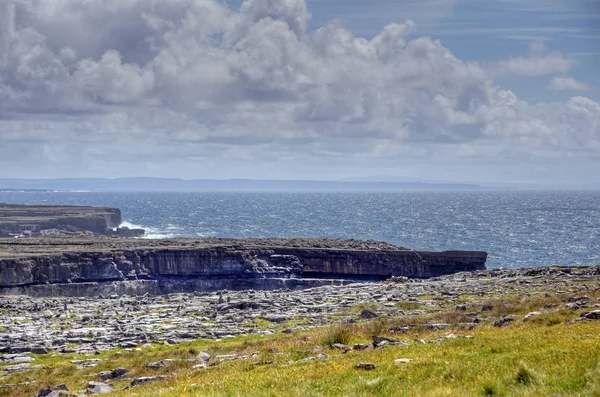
x: 150, y: 81
x: 566, y: 84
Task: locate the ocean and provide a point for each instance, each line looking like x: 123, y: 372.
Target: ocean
x: 516, y: 228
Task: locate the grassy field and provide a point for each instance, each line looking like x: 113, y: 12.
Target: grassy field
x: 548, y: 355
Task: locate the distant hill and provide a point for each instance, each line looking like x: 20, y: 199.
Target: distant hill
x: 382, y: 178
x: 194, y: 185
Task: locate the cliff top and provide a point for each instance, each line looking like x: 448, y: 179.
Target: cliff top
x: 37, y: 213
x: 18, y: 220
x: 51, y: 246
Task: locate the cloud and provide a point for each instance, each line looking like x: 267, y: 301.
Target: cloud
x: 150, y: 81
x: 534, y: 66
x: 538, y: 62
x: 566, y: 84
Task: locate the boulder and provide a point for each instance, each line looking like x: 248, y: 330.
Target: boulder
x: 504, y: 321
x: 365, y: 366
x: 368, y: 314
x: 113, y: 374
x: 160, y: 364
x: 146, y: 379
x: 379, y: 340
x: 529, y: 315
x: 99, y: 388
x: 342, y: 347
x: 593, y: 315
x: 203, y: 357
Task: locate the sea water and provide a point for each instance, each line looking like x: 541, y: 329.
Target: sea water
x: 516, y: 228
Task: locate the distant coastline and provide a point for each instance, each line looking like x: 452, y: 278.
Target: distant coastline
x: 362, y: 184
x: 204, y: 185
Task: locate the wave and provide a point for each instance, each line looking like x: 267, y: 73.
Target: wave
x: 206, y: 234
x: 158, y: 236
x: 130, y: 225
x: 151, y: 232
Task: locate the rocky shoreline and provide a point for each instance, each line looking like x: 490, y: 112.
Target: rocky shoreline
x: 25, y: 221
x: 82, y: 251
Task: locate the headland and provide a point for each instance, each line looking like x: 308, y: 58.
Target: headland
x: 92, y: 266
x: 81, y: 251
x: 60, y: 220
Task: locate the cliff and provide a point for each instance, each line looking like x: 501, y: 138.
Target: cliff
x: 38, y: 220
x: 64, y: 266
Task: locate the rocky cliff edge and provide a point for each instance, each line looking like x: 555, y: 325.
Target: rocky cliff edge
x: 61, y: 266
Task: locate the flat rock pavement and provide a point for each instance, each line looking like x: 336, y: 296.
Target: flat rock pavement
x: 31, y: 326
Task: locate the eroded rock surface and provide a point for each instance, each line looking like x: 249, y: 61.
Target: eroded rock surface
x: 94, y: 266
x: 90, y: 325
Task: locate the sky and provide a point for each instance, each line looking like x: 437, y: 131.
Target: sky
x: 446, y: 90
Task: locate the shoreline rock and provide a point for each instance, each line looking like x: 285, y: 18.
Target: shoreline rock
x: 27, y: 221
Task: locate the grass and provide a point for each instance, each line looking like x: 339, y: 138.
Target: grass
x: 405, y: 305
x: 339, y: 334
x: 534, y: 360
x: 544, y: 356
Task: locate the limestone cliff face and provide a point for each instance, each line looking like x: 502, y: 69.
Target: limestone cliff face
x: 35, y: 218
x: 416, y: 264
x: 189, y: 265
x: 59, y: 269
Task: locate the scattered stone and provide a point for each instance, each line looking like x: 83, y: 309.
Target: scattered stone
x: 16, y: 359
x: 19, y: 368
x: 276, y: 319
x: 467, y: 326
x: 399, y: 330
x: 99, y: 388
x: 12, y: 385
x: 365, y: 366
x: 362, y: 346
x: 504, y: 321
x: 258, y: 363
x: 528, y: 316
x: 160, y: 364
x: 403, y: 360
x: 203, y: 356
x: 368, y: 314
x: 342, y: 347
x: 398, y: 279
x: 436, y: 327
x: 593, y: 315
x: 53, y: 391
x: 92, y: 362
x: 147, y: 379
x: 38, y: 350
x: 229, y: 357
x: 381, y: 340
x: 113, y: 374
